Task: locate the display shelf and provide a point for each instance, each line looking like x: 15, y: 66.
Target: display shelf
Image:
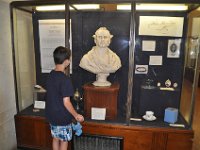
x: 158, y: 123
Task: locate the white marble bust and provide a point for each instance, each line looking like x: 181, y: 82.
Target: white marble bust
x: 100, y: 59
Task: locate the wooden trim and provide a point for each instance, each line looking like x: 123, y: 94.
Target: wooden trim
x: 143, y: 138
x: 34, y: 132
x: 135, y: 128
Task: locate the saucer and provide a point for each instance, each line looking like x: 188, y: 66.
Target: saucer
x: 149, y: 119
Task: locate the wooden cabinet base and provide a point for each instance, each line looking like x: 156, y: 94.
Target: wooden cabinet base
x: 144, y: 138
x: 33, y: 132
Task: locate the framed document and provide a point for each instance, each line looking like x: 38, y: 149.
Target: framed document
x: 161, y: 26
x: 51, y: 35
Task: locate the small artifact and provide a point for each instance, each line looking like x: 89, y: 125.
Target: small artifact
x: 175, y: 85
x: 36, y: 110
x: 77, y: 98
x: 168, y: 83
x: 158, y: 84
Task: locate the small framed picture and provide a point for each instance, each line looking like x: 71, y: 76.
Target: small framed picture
x: 174, y: 48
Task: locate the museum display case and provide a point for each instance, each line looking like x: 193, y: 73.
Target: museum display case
x: 154, y: 41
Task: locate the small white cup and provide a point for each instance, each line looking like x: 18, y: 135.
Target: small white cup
x: 149, y: 114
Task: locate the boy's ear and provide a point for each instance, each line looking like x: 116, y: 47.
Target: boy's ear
x: 67, y: 62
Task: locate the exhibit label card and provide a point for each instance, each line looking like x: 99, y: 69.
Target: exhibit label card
x: 141, y: 69
x: 98, y: 113
x: 155, y: 60
x: 161, y: 26
x: 148, y: 45
x: 39, y: 104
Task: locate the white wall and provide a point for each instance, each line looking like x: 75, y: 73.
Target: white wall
x: 7, y: 92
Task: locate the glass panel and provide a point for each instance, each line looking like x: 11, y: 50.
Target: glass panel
x: 84, y: 22
x: 92, y: 30
x: 24, y: 57
x: 159, y: 51
x: 34, y: 45
x: 192, y: 50
x: 159, y: 56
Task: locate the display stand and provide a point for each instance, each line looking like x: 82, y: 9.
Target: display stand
x: 101, y: 97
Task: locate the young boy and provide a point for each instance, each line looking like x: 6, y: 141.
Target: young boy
x: 59, y: 110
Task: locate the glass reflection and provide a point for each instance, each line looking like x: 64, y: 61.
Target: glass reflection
x: 189, y: 85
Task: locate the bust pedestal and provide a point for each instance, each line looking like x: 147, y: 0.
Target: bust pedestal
x: 101, y: 97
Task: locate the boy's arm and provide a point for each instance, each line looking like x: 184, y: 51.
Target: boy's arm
x: 68, y: 105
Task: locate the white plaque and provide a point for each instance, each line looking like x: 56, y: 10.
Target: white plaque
x: 98, y: 113
x: 155, y: 60
x: 148, y: 45
x: 141, y: 69
x: 39, y: 104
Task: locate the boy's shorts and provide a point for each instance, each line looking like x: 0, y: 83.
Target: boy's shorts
x: 64, y: 133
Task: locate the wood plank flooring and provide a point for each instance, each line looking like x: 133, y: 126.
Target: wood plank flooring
x: 185, y: 110
x: 196, y: 122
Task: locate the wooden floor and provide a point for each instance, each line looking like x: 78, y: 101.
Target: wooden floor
x: 185, y: 110
x: 196, y: 122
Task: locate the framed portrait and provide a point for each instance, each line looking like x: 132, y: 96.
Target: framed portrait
x: 174, y: 48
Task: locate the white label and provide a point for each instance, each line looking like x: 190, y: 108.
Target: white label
x: 39, y: 104
x: 98, y: 113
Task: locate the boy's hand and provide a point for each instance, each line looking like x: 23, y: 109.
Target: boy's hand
x: 79, y: 118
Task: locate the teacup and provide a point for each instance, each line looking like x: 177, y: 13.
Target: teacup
x: 149, y: 114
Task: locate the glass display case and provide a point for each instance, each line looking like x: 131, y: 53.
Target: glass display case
x: 151, y: 38
x: 143, y: 38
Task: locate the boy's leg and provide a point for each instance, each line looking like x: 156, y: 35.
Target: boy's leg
x: 61, y: 134
x: 55, y: 144
x: 63, y: 145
